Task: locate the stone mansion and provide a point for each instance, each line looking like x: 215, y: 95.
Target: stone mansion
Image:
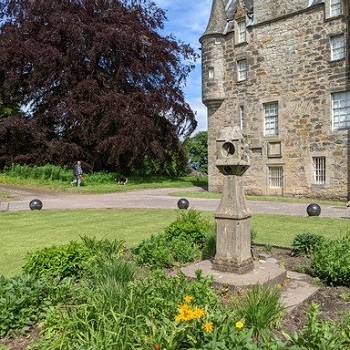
x: 279, y: 70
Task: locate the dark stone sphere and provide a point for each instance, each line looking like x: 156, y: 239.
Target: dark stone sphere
x: 313, y: 209
x: 183, y: 203
x: 35, y: 204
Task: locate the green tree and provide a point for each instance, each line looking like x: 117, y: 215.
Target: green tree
x: 94, y: 80
x: 197, y: 151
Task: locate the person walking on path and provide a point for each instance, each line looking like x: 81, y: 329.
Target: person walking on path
x: 78, y: 173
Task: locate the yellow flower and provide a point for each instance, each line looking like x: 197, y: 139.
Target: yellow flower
x: 184, y: 307
x: 208, y: 327
x: 198, y: 312
x: 185, y: 313
x: 239, y: 324
x: 188, y: 299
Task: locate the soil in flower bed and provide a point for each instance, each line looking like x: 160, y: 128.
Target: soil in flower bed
x: 333, y: 301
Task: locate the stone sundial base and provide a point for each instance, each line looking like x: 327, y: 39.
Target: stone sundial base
x: 233, y: 265
x: 264, y: 273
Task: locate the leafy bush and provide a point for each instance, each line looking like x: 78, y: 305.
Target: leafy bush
x: 188, y: 238
x: 24, y: 299
x: 154, y: 252
x: 304, y: 243
x: 20, y: 300
x: 69, y: 260
x: 189, y: 225
x: 330, y: 261
x: 73, y: 259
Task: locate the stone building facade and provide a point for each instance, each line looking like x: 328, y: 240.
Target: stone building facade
x: 279, y: 69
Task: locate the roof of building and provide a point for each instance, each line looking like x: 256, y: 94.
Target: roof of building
x: 223, y: 13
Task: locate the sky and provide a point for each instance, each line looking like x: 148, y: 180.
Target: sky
x: 187, y: 20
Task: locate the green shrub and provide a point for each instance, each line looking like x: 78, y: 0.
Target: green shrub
x: 188, y: 238
x: 304, y: 243
x: 330, y: 261
x: 24, y: 299
x: 69, y: 260
x: 191, y: 226
x: 73, y: 260
x: 19, y: 304
x: 154, y: 252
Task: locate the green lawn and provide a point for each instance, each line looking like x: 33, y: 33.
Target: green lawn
x: 23, y: 232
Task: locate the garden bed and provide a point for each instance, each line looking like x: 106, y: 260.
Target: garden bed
x: 333, y: 301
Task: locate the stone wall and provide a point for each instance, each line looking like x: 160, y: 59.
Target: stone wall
x: 289, y: 62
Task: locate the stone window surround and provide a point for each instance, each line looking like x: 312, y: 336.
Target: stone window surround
x: 328, y: 160
x: 332, y: 109
x: 319, y: 170
x: 263, y: 105
x: 328, y: 10
x: 242, y: 69
x: 240, y: 35
x: 275, y: 175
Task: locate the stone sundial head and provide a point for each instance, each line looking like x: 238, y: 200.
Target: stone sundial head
x: 231, y: 152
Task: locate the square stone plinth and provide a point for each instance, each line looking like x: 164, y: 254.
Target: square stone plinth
x: 267, y: 273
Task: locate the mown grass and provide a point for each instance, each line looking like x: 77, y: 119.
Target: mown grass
x: 27, y: 231
x: 215, y: 195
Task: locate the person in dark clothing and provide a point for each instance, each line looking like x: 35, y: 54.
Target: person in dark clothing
x: 78, y: 173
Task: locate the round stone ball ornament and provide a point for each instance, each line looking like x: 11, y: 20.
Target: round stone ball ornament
x: 313, y: 209
x: 35, y: 204
x: 183, y: 203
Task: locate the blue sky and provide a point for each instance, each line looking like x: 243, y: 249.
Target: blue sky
x: 187, y: 20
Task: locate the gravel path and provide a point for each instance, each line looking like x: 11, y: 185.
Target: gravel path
x: 150, y: 198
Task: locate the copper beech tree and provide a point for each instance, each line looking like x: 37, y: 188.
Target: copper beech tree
x: 94, y: 80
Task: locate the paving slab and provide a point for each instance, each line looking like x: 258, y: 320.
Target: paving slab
x: 295, y: 289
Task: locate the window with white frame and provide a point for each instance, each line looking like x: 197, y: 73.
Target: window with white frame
x: 275, y: 176
x: 335, y: 8
x: 242, y: 70
x: 337, y: 47
x: 211, y: 73
x: 341, y: 110
x: 319, y: 170
x: 271, y: 118
x: 241, y: 36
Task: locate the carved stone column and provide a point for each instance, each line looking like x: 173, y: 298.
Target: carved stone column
x: 233, y: 219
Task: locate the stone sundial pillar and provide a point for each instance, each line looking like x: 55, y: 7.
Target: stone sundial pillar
x: 233, y: 219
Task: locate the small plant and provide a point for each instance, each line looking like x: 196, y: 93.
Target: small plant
x: 253, y: 234
x: 260, y: 308
x: 319, y: 334
x: 268, y: 248
x: 304, y: 243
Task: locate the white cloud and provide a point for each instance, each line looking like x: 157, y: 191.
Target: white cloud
x: 201, y: 113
